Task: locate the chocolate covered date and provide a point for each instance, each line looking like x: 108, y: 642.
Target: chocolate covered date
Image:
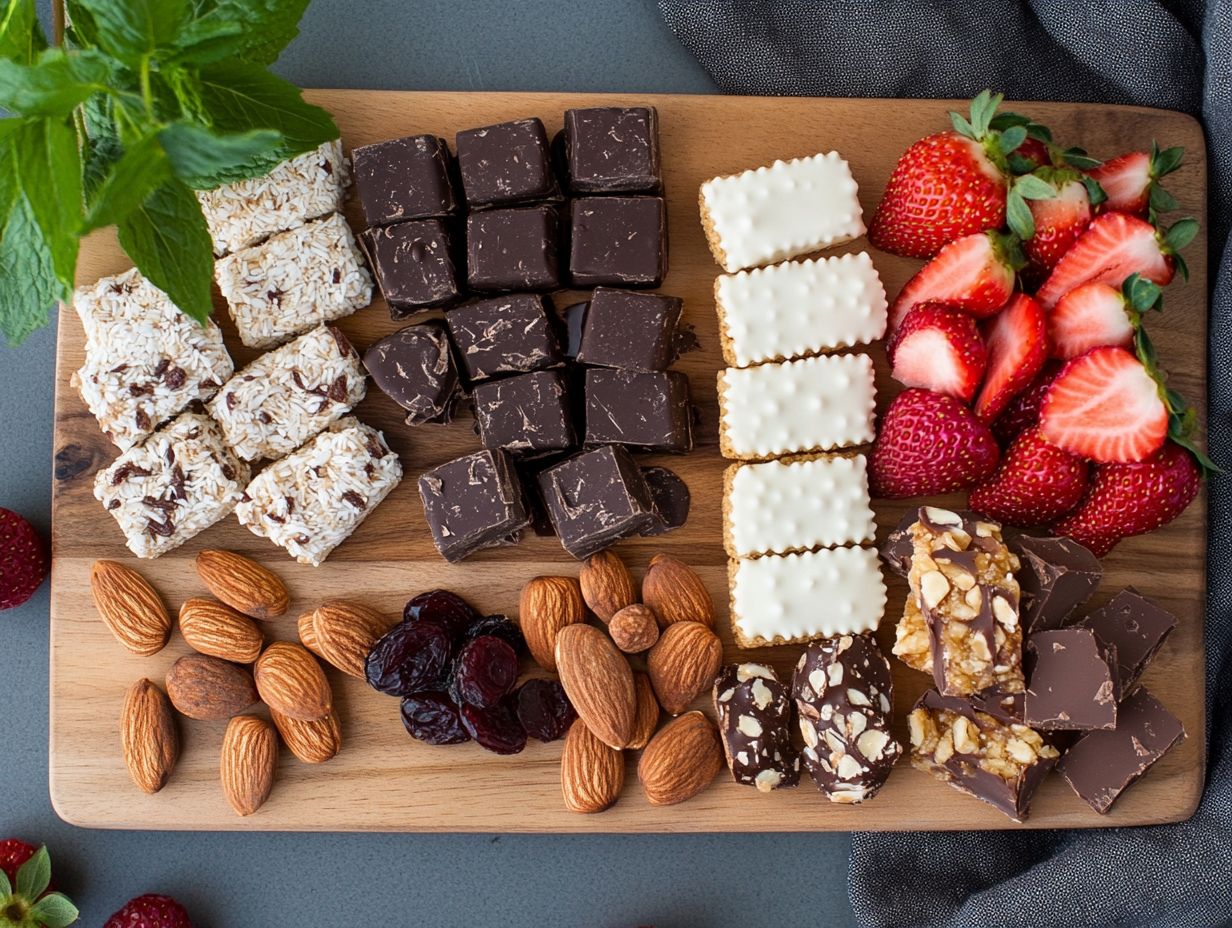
x: 754, y: 714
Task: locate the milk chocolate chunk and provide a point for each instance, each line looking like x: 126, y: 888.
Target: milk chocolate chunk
x: 618, y: 241
x: 1057, y: 575
x: 407, y: 178
x: 526, y: 414
x: 648, y: 411
x: 1103, y: 764
x: 513, y: 249
x: 506, y: 163
x: 414, y: 367
x: 414, y: 265
x: 631, y: 331
x: 754, y: 713
x: 473, y: 502
x: 596, y: 498
x: 671, y: 499
x: 503, y: 335
x: 1136, y: 627
x: 1073, y: 681
x: 612, y: 149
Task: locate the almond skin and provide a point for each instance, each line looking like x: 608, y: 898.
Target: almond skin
x: 243, y: 584
x: 683, y: 663
x: 598, y: 681
x: 312, y: 742
x: 606, y: 585
x: 132, y: 608
x: 248, y: 763
x: 681, y: 760
x: 206, y: 688
x: 676, y: 593
x: 306, y: 626
x: 291, y: 681
x: 648, y: 712
x: 216, y: 629
x: 148, y: 736
x: 634, y: 628
x: 591, y: 773
x: 547, y: 605
x: 345, y: 632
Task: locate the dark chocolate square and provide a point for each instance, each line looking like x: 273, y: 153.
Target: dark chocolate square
x: 649, y: 411
x: 1136, y: 627
x: 506, y: 163
x: 1073, y: 681
x: 618, y: 241
x: 413, y: 265
x: 414, y: 367
x: 611, y: 149
x: 1057, y: 576
x: 633, y: 331
x: 473, y: 502
x: 527, y: 414
x: 596, y: 498
x: 405, y: 178
x: 513, y: 249
x: 503, y: 335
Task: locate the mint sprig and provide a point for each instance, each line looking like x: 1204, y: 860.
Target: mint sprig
x: 147, y: 101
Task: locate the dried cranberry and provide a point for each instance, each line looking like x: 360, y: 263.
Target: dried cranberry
x: 544, y: 709
x: 502, y: 627
x: 447, y: 609
x: 496, y: 728
x: 410, y: 656
x: 431, y: 716
x: 485, y: 672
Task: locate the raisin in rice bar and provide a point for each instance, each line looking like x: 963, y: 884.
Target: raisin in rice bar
x: 180, y: 480
x: 754, y: 711
x: 294, y: 282
x: 313, y: 499
x: 799, y: 308
x: 287, y: 395
x: 780, y: 211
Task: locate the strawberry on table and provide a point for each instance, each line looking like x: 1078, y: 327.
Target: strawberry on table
x: 939, y: 348
x: 150, y: 911
x: 1017, y: 348
x: 1036, y: 483
x: 974, y: 273
x: 1131, y: 181
x: 1023, y: 411
x: 1098, y: 314
x: 23, y: 560
x: 26, y: 897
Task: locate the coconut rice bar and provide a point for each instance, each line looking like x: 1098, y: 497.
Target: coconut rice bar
x: 799, y: 308
x: 787, y: 209
x: 313, y: 499
x: 180, y: 480
x: 287, y: 395
x: 145, y: 360
x: 294, y: 281
x: 300, y: 189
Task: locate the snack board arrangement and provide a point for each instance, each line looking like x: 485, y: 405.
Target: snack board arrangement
x: 678, y: 493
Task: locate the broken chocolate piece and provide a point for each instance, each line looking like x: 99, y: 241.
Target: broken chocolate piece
x: 1057, y: 575
x: 1073, y: 681
x: 612, y: 149
x: 513, y: 249
x: 754, y: 712
x: 648, y: 411
x: 405, y: 178
x: 524, y: 414
x: 618, y: 241
x: 503, y: 335
x: 1136, y: 627
x: 896, y: 550
x: 671, y: 499
x: 506, y: 163
x: 596, y: 498
x: 631, y: 331
x: 473, y: 502
x: 414, y: 368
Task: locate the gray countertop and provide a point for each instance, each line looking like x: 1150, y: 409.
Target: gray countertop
x: 310, y: 880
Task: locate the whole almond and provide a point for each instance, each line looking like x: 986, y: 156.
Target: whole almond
x: 148, y: 736
x: 312, y: 742
x: 248, y: 763
x: 216, y: 629
x: 132, y: 608
x: 648, y: 712
x: 591, y: 773
x: 547, y: 605
x: 306, y: 626
x: 676, y: 593
x: 634, y: 628
x: 291, y: 681
x: 606, y: 585
x: 243, y: 584
x: 598, y: 681
x: 345, y: 632
x: 681, y: 760
x: 682, y: 663
x: 206, y: 688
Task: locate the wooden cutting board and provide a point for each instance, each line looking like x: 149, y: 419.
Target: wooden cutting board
x: 383, y: 780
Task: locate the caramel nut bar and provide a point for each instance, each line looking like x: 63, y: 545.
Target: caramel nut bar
x: 754, y: 712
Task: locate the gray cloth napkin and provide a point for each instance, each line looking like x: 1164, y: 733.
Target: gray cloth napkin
x: 1174, y: 55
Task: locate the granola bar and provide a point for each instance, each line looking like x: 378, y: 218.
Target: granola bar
x: 754, y: 711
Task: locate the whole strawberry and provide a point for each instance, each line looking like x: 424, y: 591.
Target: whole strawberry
x: 150, y: 911
x: 26, y: 899
x: 929, y: 443
x: 23, y: 560
x: 1048, y: 210
x: 1035, y: 484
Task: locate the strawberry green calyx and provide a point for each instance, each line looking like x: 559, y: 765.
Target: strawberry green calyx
x: 28, y: 904
x: 998, y: 141
x: 1007, y: 247
x: 1162, y: 163
x: 1176, y: 237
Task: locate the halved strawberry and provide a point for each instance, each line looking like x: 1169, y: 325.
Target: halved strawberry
x: 1097, y: 314
x: 974, y: 273
x: 939, y: 348
x: 1131, y: 180
x: 1017, y: 348
x: 1035, y: 484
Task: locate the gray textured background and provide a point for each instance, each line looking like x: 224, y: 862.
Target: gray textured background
x: 265, y: 880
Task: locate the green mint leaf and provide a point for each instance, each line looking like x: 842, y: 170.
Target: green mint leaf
x: 54, y: 911
x: 132, y: 30
x: 34, y: 875
x: 204, y: 160
x: 265, y: 29
x: 28, y: 284
x: 21, y: 33
x: 101, y: 146
x: 1018, y: 215
x: 56, y: 83
x: 168, y: 241
x: 49, y: 167
x: 6, y: 888
x: 206, y: 40
x: 132, y: 177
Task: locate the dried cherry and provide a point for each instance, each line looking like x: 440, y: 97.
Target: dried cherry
x: 444, y: 607
x: 502, y: 627
x: 432, y: 717
x: 544, y: 710
x: 496, y: 728
x: 485, y: 671
x: 409, y: 657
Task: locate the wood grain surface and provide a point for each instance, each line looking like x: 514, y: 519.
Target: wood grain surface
x: 382, y: 780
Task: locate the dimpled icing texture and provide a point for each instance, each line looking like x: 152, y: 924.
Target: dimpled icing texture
x: 835, y: 591
x: 814, y: 404
x: 800, y: 308
x: 787, y: 209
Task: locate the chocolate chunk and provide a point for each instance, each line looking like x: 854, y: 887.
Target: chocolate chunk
x: 896, y: 550
x: 405, y: 178
x: 1073, y: 681
x: 633, y: 331
x: 413, y: 265
x: 1103, y: 764
x: 596, y: 498
x: 513, y: 249
x: 1136, y: 627
x: 573, y: 320
x: 473, y: 502
x: 618, y: 241
x: 528, y: 413
x: 612, y: 149
x: 1057, y: 575
x: 643, y: 410
x: 506, y: 163
x: 754, y: 712
x: 671, y: 499
x: 503, y: 335
x: 414, y: 368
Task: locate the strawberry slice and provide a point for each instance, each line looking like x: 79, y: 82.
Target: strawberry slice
x: 1023, y: 411
x: 1036, y: 483
x: 1098, y: 314
x: 939, y: 348
x: 974, y: 273
x: 1131, y: 181
x: 1017, y: 348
